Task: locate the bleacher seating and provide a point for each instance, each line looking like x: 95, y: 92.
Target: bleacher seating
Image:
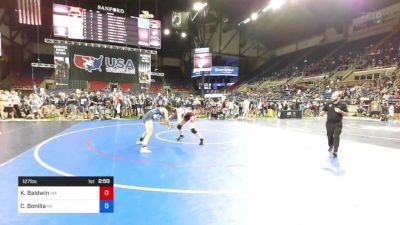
x: 155, y: 88
x: 174, y: 78
x: 317, y: 60
x: 233, y: 87
x: 27, y: 81
x: 181, y: 88
x: 39, y: 74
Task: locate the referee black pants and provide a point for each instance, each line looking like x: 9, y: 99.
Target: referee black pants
x: 17, y: 111
x: 333, y: 130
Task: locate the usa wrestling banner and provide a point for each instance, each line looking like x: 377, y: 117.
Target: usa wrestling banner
x: 113, y: 65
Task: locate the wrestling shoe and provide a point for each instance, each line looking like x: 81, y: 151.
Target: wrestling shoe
x: 139, y: 143
x: 201, y: 141
x: 145, y: 150
x: 179, y: 138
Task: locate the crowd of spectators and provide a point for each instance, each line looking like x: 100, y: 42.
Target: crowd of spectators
x: 368, y: 100
x: 379, y: 97
x: 366, y: 57
x: 386, y: 56
x: 376, y: 98
x: 81, y: 104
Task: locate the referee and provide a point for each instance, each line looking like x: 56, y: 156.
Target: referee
x: 335, y: 110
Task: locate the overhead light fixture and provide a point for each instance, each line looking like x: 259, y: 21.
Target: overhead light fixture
x: 246, y: 20
x: 167, y: 31
x: 265, y: 9
x: 199, y: 6
x: 183, y: 34
x: 254, y: 16
x: 274, y: 5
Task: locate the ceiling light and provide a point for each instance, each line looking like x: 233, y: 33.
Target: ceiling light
x: 183, y: 35
x: 274, y: 5
x: 199, y: 6
x: 254, y: 16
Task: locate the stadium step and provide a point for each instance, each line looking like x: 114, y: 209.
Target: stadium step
x: 346, y: 74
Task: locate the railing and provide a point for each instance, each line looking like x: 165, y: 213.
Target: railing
x: 396, y: 83
x: 25, y: 87
x: 377, y: 67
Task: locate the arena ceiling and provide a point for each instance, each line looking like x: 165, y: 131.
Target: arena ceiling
x: 298, y: 20
x: 291, y: 23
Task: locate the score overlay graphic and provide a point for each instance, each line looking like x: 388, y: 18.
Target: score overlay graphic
x: 65, y: 194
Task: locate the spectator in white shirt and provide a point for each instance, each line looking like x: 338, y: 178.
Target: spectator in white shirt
x: 16, y: 100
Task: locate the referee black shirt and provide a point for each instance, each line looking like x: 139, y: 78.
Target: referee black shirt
x: 332, y: 115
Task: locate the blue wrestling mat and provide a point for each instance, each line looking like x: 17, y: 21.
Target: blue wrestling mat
x: 244, y: 174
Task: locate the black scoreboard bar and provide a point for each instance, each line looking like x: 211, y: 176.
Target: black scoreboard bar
x: 65, y: 181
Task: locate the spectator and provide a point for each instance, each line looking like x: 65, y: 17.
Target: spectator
x: 3, y: 103
x: 16, y: 100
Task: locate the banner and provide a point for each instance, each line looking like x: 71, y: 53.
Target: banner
x: 29, y: 12
x: 61, y: 65
x: 224, y: 71
x: 156, y: 74
x: 104, y: 64
x: 180, y: 20
x: 201, y: 50
x: 145, y: 69
x: 219, y: 71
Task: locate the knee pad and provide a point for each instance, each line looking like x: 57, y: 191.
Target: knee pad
x: 194, y: 131
x: 179, y: 127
